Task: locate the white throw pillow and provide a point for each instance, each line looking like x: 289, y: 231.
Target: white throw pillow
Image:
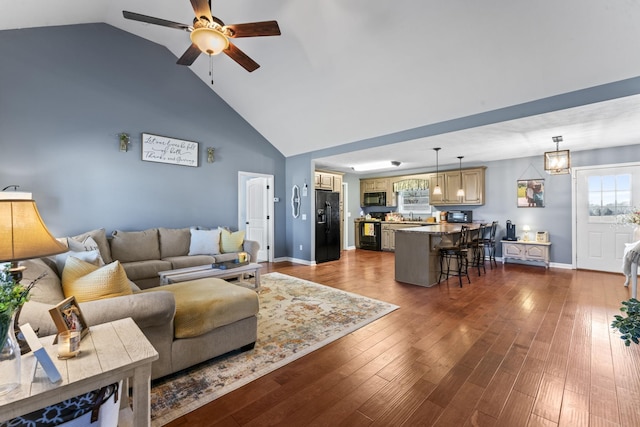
x: 88, y: 244
x: 92, y: 257
x: 204, y: 242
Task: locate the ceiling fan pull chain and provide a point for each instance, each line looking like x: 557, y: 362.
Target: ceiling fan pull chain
x: 211, y: 68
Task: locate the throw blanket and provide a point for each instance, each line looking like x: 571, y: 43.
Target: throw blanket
x: 631, y: 255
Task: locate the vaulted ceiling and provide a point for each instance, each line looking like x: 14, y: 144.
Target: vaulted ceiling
x: 351, y: 70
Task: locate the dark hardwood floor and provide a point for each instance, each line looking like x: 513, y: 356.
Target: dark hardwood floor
x: 519, y: 346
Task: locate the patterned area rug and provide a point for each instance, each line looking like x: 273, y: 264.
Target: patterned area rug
x: 296, y: 317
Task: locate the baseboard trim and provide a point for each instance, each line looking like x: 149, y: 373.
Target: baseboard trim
x: 534, y: 263
x: 295, y: 260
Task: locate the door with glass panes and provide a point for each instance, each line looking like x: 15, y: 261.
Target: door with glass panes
x: 602, y: 195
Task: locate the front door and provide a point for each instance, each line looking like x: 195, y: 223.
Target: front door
x: 601, y: 195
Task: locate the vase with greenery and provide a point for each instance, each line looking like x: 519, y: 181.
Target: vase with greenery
x: 12, y: 296
x: 629, y: 326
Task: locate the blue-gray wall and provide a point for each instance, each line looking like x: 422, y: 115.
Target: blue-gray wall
x: 67, y: 92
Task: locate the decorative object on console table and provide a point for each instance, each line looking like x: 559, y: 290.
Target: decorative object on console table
x: 23, y: 235
x: 542, y: 237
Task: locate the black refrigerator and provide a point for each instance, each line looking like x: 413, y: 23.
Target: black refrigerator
x: 327, y: 226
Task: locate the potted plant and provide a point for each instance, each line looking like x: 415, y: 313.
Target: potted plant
x: 13, y: 295
x: 628, y: 326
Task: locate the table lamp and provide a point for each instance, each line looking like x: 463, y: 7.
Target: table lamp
x: 23, y: 235
x: 526, y: 230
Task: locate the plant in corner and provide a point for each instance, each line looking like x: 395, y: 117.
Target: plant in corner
x: 628, y: 326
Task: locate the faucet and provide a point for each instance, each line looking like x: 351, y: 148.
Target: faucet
x: 411, y: 213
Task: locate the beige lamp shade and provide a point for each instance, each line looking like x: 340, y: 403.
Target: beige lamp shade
x: 23, y: 235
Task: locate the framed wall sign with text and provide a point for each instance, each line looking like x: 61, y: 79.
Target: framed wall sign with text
x: 162, y: 149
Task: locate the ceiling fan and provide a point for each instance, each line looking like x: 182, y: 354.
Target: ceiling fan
x: 211, y: 36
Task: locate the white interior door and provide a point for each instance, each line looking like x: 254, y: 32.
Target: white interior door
x: 601, y: 194
x: 257, y: 215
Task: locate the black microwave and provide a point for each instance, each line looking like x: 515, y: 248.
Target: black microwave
x: 375, y: 199
x: 460, y: 216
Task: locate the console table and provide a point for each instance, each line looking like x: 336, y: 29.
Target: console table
x: 526, y: 251
x: 111, y: 352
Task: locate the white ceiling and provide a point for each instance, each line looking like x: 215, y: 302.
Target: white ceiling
x: 349, y: 70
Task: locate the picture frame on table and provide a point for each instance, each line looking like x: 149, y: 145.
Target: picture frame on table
x: 530, y: 193
x: 67, y: 316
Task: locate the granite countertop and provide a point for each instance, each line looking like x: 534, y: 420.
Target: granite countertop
x: 437, y: 228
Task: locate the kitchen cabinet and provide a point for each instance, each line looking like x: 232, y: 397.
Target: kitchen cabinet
x: 324, y: 181
x: 389, y: 234
x: 376, y: 185
x: 526, y: 251
x: 472, y: 184
x: 337, y: 183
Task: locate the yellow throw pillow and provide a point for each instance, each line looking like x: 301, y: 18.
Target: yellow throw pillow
x: 88, y: 282
x: 231, y: 242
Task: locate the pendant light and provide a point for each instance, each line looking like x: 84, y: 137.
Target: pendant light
x: 437, y: 191
x: 557, y: 162
x: 460, y: 192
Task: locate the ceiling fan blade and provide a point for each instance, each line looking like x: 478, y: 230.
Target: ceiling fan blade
x: 202, y: 8
x: 241, y: 58
x: 157, y: 21
x: 254, y: 29
x: 189, y: 55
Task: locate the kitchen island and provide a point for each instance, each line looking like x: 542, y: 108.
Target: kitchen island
x: 417, y: 255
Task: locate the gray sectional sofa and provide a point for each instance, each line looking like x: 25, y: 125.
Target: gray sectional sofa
x: 163, y: 313
x: 145, y: 253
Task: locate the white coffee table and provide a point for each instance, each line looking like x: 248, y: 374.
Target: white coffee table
x: 202, y: 271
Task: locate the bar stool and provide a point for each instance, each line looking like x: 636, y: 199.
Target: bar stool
x: 459, y: 252
x: 478, y: 249
x: 490, y: 244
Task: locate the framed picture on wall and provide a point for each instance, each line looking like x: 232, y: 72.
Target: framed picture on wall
x: 530, y: 193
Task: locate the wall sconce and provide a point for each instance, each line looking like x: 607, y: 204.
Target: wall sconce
x: 557, y: 162
x: 210, y: 155
x: 124, y: 141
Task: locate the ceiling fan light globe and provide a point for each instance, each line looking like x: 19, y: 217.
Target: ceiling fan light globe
x: 209, y: 40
